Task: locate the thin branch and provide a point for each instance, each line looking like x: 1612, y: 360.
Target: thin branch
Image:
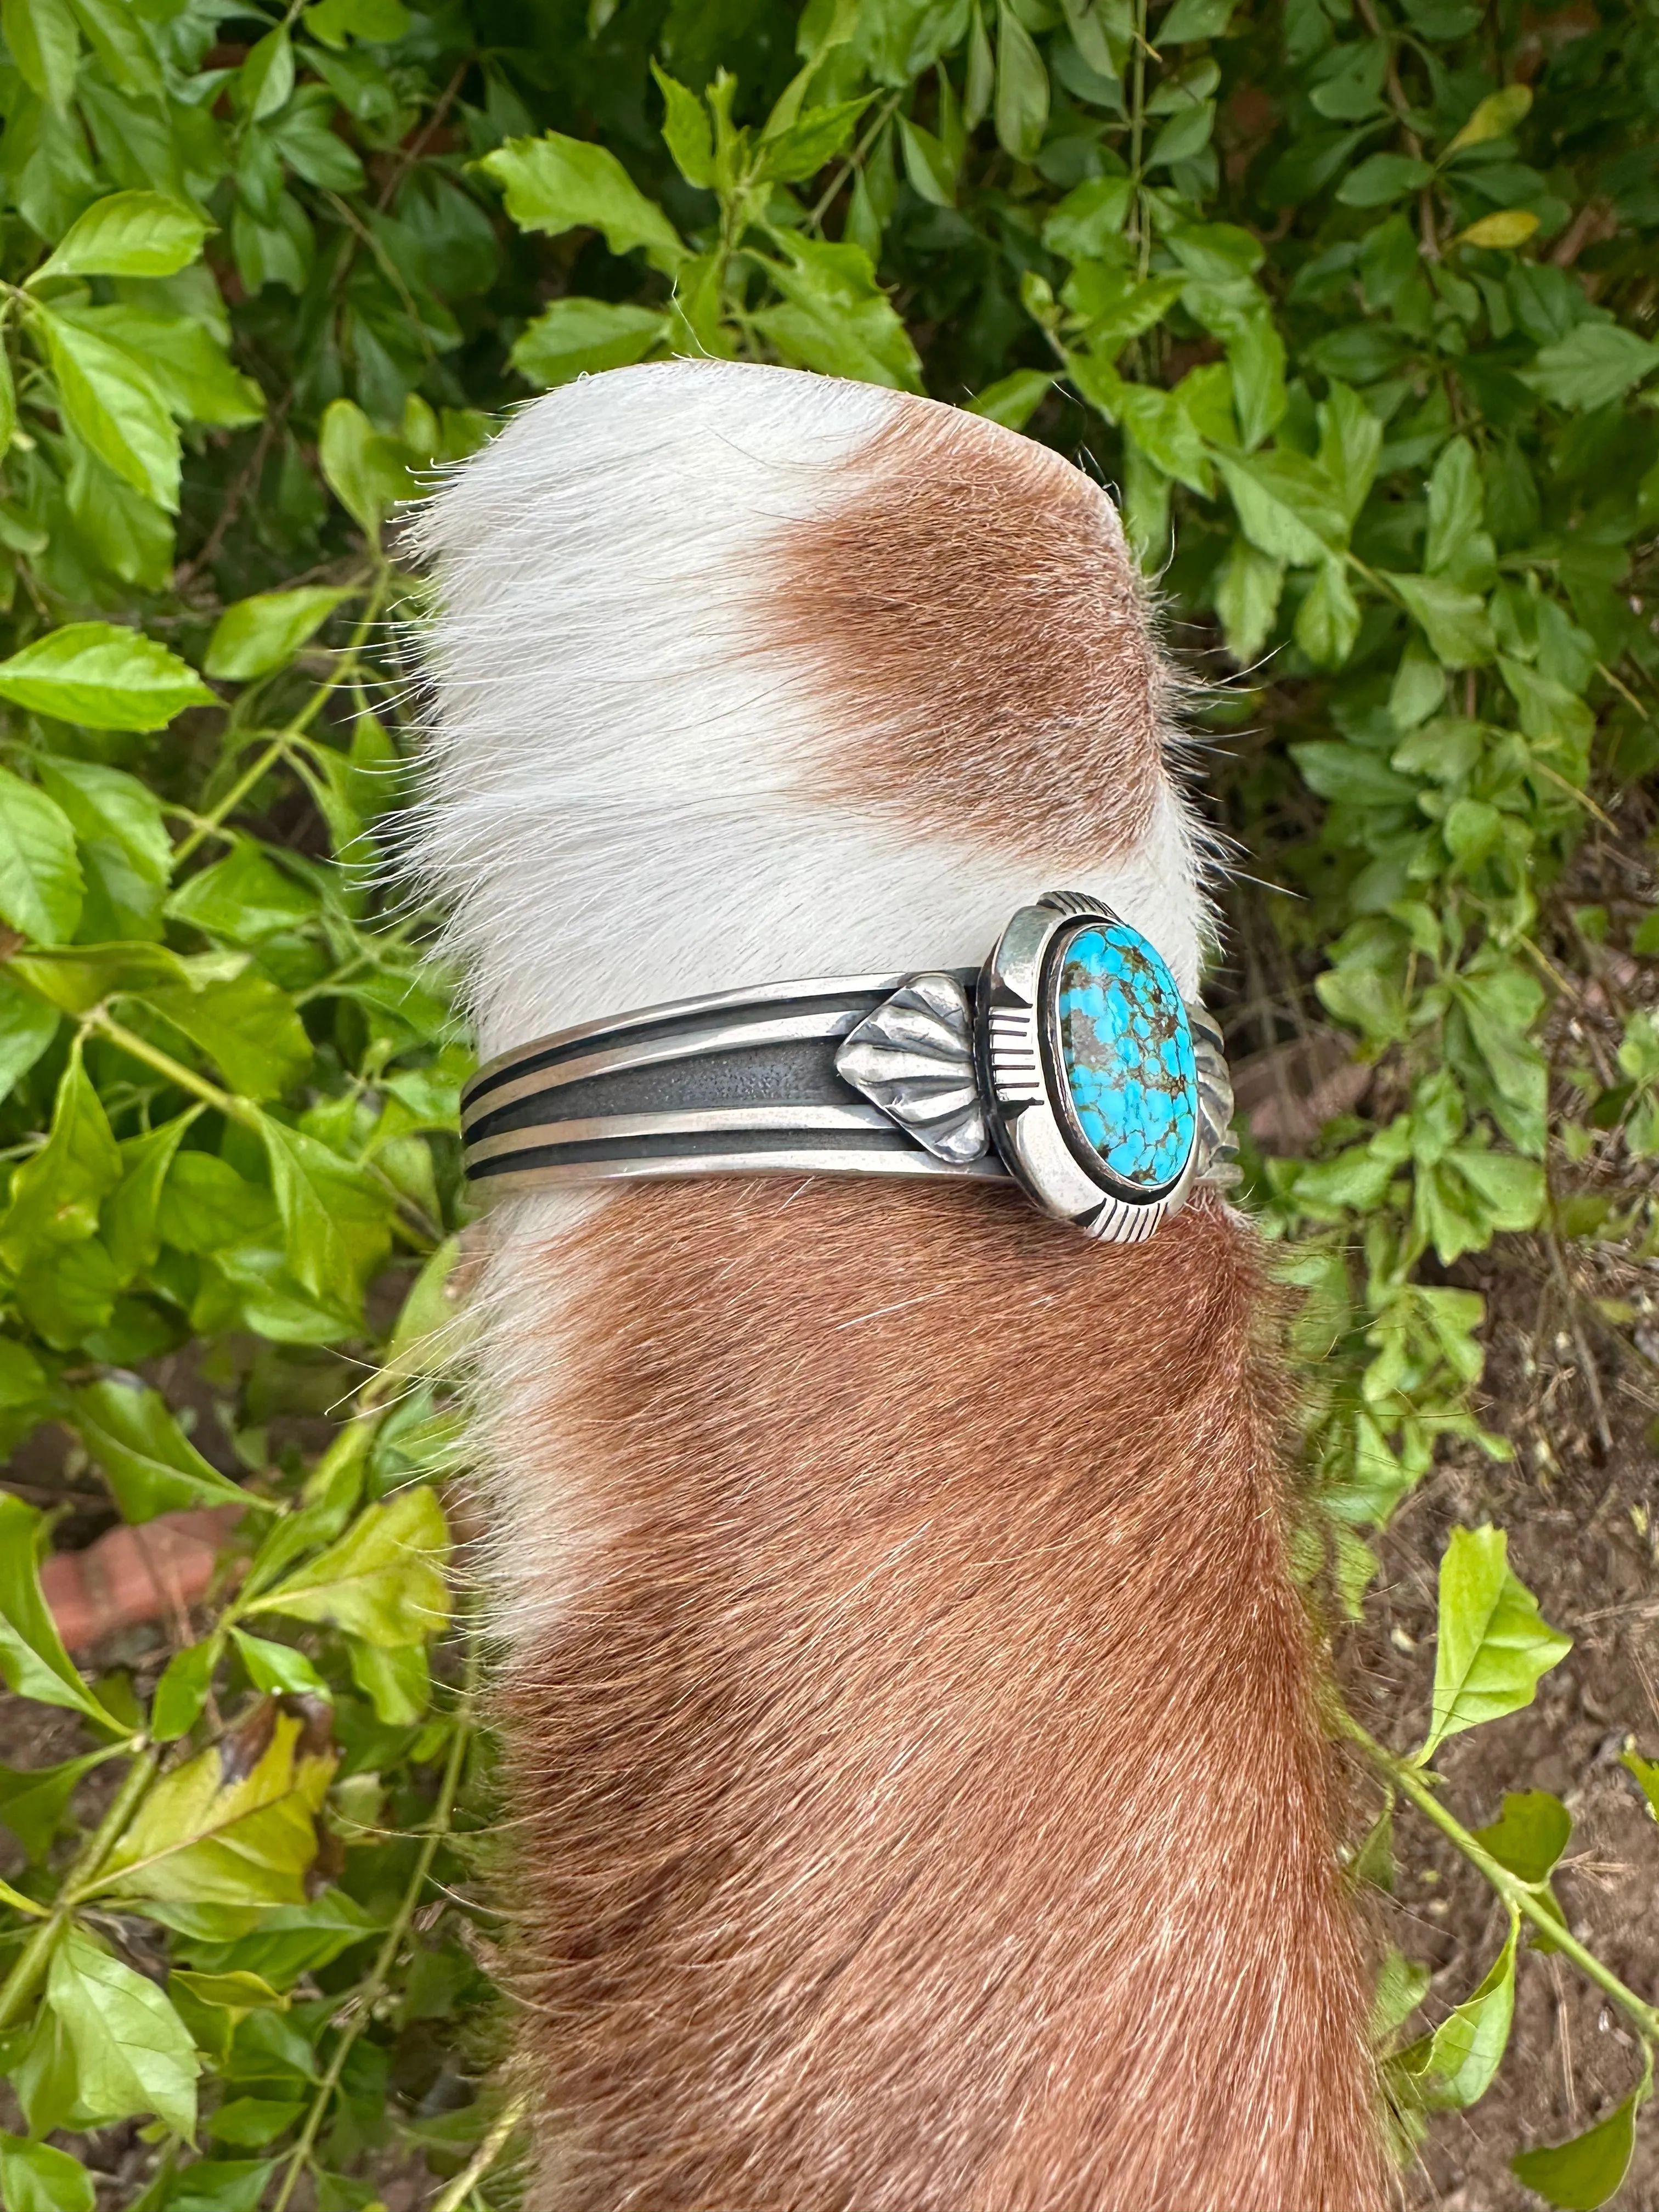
x: 1523, y: 1897
x: 368, y: 1994
x: 484, y: 2157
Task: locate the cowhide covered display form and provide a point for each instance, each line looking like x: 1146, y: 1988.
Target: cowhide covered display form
x: 920, y: 1802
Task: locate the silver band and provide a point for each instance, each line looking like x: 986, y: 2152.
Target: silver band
x: 739, y: 1082
x: 942, y: 1072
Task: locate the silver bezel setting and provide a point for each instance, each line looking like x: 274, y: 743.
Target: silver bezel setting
x: 1028, y: 1098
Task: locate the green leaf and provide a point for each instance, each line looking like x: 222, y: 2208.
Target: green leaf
x: 107, y: 806
x: 1401, y: 1984
x: 835, y: 318
x: 27, y: 1025
x: 1021, y: 108
x: 1495, y: 117
x: 115, y: 32
x: 802, y: 149
x: 244, y: 898
x: 236, y: 1824
x: 33, y: 1660
x: 1247, y: 595
x: 45, y: 45
x: 579, y: 338
x: 181, y: 360
x: 382, y: 1581
x: 1646, y: 1772
x: 1187, y: 133
x: 246, y: 1025
x: 1286, y: 505
x: 266, y: 78
x: 130, y: 2053
x: 250, y: 2123
x: 1383, y: 178
x: 1350, y: 441
x: 397, y: 1683
x: 34, y: 1803
x: 258, y: 634
x: 1119, y: 306
x: 151, y: 1465
x: 128, y: 234
x: 928, y: 165
x: 1508, y: 227
x: 279, y: 1667
x: 1327, y: 621
x: 206, y: 1205
x: 35, y: 2178
x: 1551, y: 714
x: 1453, y: 2069
x: 1089, y: 219
x: 1012, y: 399
x: 182, y: 1691
x: 1160, y: 426
x: 336, y: 1225
x: 367, y: 472
x: 1454, y: 620
x: 113, y: 407
x: 1349, y: 774
x: 1456, y: 505
x: 40, y: 881
x: 1493, y: 1644
x: 56, y: 1193
x: 1511, y: 1191
x: 277, y: 1943
x: 379, y: 23
x: 1255, y: 356
x: 1529, y: 1834
x: 1578, y: 2175
x: 129, y: 1219
x: 1594, y: 364
x: 686, y: 131
x: 1191, y: 20
x: 556, y: 183
x: 103, y: 677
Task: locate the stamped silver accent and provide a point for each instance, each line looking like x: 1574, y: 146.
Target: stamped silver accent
x: 914, y: 1058
x: 1217, y: 1147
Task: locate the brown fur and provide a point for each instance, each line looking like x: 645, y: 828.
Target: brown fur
x: 971, y: 606
x: 926, y: 1803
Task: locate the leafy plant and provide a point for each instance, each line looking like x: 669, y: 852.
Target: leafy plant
x: 1350, y: 298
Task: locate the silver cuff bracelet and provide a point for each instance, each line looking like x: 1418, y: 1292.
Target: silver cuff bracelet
x: 1070, y: 1062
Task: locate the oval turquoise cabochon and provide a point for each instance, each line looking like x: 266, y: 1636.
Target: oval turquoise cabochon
x: 1127, y: 1053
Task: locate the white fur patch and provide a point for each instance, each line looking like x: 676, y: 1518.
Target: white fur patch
x: 614, y: 815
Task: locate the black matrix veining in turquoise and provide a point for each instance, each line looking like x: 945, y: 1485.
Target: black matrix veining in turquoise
x: 1127, y: 1053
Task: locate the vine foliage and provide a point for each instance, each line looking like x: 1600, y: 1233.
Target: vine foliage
x: 1352, y: 302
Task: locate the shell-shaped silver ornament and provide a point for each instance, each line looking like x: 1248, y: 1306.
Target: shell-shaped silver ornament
x: 1218, y: 1148
x: 914, y: 1057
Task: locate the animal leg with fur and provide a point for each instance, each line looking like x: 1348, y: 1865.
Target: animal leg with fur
x: 913, y: 1723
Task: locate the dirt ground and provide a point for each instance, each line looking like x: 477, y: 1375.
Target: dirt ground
x: 1583, y: 1526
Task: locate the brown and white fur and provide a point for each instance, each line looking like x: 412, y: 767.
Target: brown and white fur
x: 913, y: 1723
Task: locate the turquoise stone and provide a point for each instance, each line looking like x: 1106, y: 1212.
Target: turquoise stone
x: 1127, y: 1053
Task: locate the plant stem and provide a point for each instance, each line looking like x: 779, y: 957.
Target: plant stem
x: 209, y: 824
x: 484, y: 2157
x: 826, y: 198
x: 129, y: 1040
x: 1520, y: 1896
x: 1136, y: 124
x: 369, y: 1994
x: 30, y: 1968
